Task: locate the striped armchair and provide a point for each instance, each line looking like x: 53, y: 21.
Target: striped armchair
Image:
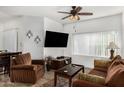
x: 25, y: 70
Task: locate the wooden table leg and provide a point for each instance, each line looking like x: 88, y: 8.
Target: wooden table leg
x: 83, y: 69
x: 55, y: 78
x: 70, y: 81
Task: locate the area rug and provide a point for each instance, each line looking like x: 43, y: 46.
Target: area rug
x: 61, y: 82
x: 46, y: 81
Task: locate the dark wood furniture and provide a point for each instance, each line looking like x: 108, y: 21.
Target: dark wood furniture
x: 59, y: 62
x: 4, y: 64
x: 9, y: 53
x: 5, y: 60
x: 68, y: 71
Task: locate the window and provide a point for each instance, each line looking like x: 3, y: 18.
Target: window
x: 10, y: 40
x: 94, y: 44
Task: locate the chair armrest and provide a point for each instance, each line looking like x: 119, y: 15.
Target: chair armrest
x: 38, y: 62
x: 24, y: 67
x: 83, y: 83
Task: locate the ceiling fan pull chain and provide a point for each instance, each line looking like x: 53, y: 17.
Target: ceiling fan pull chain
x: 74, y: 27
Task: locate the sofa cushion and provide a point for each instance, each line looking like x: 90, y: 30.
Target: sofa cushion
x: 115, y: 74
x: 102, y: 63
x: 24, y: 59
x: 92, y: 78
x: 98, y: 73
x: 24, y: 67
x: 100, y: 69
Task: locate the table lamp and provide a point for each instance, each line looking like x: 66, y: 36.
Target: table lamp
x: 112, y: 46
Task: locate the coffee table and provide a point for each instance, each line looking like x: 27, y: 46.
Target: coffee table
x: 68, y: 71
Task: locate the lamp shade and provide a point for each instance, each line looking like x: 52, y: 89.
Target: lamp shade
x: 112, y: 45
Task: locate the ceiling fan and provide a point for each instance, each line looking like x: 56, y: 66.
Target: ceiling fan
x: 74, y: 13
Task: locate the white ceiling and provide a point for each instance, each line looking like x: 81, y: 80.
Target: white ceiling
x: 8, y: 12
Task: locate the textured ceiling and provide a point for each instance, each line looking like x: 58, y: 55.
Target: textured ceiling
x: 8, y: 12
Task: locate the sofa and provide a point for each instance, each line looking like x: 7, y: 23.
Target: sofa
x: 106, y: 73
x: 25, y: 70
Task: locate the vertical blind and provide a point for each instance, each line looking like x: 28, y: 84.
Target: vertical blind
x: 95, y: 44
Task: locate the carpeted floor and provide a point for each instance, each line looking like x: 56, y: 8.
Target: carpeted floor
x: 46, y: 81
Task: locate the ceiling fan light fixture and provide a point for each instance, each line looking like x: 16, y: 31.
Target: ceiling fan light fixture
x: 73, y: 18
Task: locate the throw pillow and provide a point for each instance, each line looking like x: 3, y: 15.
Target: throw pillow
x: 92, y: 78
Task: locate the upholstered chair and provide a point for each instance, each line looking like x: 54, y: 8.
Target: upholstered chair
x: 25, y: 70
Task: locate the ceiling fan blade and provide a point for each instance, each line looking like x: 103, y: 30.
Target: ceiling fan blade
x: 78, y: 9
x: 85, y: 13
x: 63, y: 12
x: 66, y: 17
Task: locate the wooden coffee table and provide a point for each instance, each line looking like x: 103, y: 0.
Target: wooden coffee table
x: 68, y: 71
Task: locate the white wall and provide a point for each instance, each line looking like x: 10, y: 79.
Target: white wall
x: 11, y: 25
x: 94, y: 25
x: 35, y: 24
x: 123, y: 34
x: 10, y: 40
x: 52, y: 25
x: 1, y: 40
x: 23, y: 25
x: 1, y: 37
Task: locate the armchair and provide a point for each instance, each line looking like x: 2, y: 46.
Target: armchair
x: 25, y: 70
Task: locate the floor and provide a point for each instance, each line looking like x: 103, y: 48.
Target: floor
x: 46, y: 81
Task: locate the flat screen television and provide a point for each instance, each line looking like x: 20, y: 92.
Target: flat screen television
x: 56, y: 39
